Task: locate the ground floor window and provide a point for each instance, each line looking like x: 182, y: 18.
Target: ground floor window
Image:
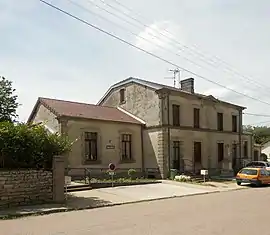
x: 245, y: 149
x: 176, y: 155
x: 126, y: 148
x: 90, y: 140
x: 197, y: 152
x: 220, y: 151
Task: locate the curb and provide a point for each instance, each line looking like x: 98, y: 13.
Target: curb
x: 59, y: 210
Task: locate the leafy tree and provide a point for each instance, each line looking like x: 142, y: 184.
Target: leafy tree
x: 261, y: 133
x: 8, y: 101
x: 25, y: 146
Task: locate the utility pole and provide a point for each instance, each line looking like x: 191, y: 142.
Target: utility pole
x: 175, y: 72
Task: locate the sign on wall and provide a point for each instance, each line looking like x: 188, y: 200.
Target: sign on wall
x: 110, y: 145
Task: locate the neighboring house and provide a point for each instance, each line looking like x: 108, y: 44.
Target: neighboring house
x: 102, y: 134
x: 265, y: 148
x: 257, y: 151
x: 184, y: 130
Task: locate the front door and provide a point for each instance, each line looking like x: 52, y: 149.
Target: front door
x: 234, y: 155
x: 176, y: 155
x: 197, y: 155
x: 256, y: 155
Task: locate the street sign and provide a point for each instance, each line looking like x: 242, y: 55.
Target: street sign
x: 111, y: 171
x: 67, y: 180
x: 111, y: 167
x: 204, y: 172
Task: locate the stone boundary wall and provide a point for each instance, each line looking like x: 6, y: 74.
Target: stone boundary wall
x: 24, y: 187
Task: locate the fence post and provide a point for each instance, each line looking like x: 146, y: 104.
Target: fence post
x: 58, y: 179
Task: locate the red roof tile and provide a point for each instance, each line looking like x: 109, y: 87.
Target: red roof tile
x: 88, y: 111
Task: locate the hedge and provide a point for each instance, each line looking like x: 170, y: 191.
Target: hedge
x: 29, y: 146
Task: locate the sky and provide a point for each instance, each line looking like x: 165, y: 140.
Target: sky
x: 48, y: 54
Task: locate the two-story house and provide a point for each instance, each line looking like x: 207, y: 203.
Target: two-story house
x: 183, y: 130
x: 148, y: 126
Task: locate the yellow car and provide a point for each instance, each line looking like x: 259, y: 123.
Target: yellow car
x: 253, y: 175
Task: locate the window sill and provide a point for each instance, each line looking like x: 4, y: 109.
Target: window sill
x: 122, y: 102
x: 92, y: 162
x: 127, y: 161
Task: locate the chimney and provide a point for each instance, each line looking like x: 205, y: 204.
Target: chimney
x: 187, y: 85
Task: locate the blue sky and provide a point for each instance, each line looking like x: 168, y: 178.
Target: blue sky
x: 46, y: 53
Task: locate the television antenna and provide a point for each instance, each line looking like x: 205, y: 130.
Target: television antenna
x: 175, y: 73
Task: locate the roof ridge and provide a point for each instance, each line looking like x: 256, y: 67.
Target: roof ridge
x: 76, y: 102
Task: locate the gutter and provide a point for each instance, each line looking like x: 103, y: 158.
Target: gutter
x: 142, y: 151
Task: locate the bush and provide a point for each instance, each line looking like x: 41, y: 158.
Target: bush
x: 131, y: 173
x: 183, y: 178
x: 25, y: 146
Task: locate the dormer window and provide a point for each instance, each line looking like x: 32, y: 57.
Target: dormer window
x: 122, y: 95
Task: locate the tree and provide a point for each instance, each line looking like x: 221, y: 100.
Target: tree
x: 29, y: 146
x: 8, y: 101
x: 261, y: 133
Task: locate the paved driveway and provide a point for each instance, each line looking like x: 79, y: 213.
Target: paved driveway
x: 137, y: 193
x: 233, y: 212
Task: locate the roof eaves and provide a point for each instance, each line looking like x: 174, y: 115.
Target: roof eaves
x: 127, y: 81
x: 131, y: 115
x: 200, y: 96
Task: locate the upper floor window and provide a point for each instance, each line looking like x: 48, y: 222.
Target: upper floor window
x: 234, y: 123
x: 122, y: 95
x: 196, y: 118
x: 176, y: 114
x: 90, y: 140
x: 126, y: 152
x: 220, y: 121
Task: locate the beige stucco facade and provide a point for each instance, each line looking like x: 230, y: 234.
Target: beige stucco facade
x: 141, y: 101
x: 109, y: 144
x: 152, y: 143
x: 47, y: 117
x: 108, y: 133
x: 152, y: 106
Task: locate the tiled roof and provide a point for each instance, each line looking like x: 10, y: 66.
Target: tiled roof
x: 84, y: 110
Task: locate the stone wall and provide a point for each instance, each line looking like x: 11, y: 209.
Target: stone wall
x: 23, y: 187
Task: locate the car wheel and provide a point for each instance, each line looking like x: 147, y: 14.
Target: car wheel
x: 238, y: 183
x: 259, y: 183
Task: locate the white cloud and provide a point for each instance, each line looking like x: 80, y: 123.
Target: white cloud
x: 157, y: 35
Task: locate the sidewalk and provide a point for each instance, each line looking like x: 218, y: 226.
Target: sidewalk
x: 118, y: 196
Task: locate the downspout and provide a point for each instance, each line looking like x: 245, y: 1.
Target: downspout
x: 169, y: 133
x: 142, y: 150
x: 240, y: 135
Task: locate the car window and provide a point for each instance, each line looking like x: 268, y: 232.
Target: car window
x: 249, y: 171
x: 263, y: 172
x: 250, y: 164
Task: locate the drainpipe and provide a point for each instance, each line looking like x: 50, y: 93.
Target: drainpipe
x: 240, y: 135
x: 169, y: 132
x: 142, y: 151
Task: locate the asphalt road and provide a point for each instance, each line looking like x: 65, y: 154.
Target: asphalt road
x: 234, y: 212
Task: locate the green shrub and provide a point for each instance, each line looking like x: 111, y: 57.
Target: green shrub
x: 25, y: 146
x: 131, y: 173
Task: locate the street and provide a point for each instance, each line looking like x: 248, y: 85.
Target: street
x: 233, y: 212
